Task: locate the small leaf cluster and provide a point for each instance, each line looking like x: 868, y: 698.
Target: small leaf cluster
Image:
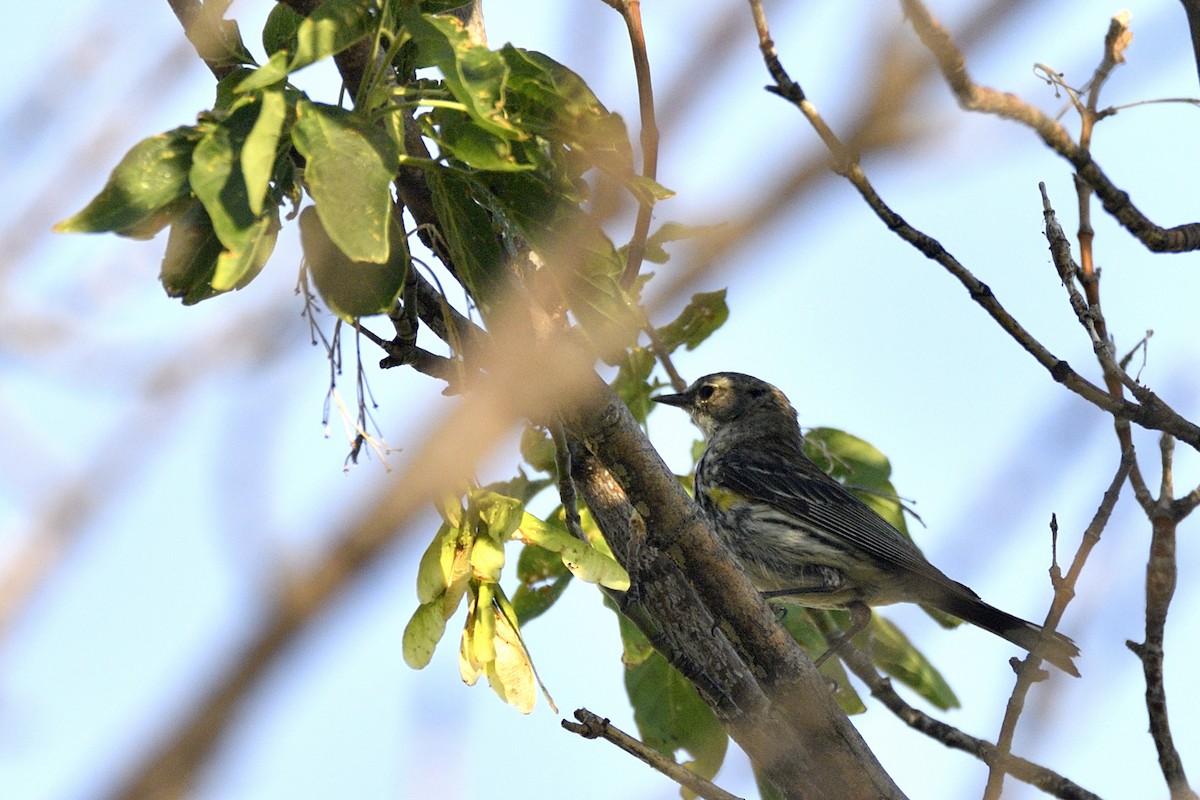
x: 465, y: 560
x: 513, y: 135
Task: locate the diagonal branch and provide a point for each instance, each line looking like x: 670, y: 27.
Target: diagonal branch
x: 973, y: 97
x: 1030, y: 671
x: 1043, y: 778
x: 1150, y: 413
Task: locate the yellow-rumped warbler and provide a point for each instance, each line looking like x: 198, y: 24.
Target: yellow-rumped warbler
x: 800, y: 534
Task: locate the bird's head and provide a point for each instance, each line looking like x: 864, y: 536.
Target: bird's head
x: 718, y: 400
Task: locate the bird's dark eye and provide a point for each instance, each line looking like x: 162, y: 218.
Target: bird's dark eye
x: 705, y: 392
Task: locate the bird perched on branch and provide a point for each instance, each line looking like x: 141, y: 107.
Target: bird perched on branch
x: 800, y: 535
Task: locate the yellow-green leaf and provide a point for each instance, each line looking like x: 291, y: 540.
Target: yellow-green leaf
x: 422, y: 634
x: 349, y: 170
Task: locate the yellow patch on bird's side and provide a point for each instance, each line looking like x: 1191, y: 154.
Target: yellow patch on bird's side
x: 723, y: 499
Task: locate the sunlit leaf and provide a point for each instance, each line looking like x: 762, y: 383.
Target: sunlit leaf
x: 145, y: 190
x: 583, y: 560
x: 236, y: 268
x: 500, y: 514
x: 434, y: 571
x: 262, y: 147
x: 511, y: 674
x: 422, y: 634
x: 487, y: 559
x: 349, y: 172
x: 216, y: 175
x: 475, y: 75
x: 332, y: 27
x: 459, y: 137
x: 894, y: 654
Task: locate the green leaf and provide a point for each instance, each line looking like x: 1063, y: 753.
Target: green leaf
x: 510, y: 673
x: 797, y: 622
x: 543, y: 579
x: 584, y: 561
x: 349, y: 170
x: 236, y: 268
x: 487, y: 559
x: 216, y: 178
x: 330, y: 29
x: 279, y: 32
x: 218, y: 41
x: 145, y: 191
x: 537, y: 448
x: 227, y: 89
x: 671, y: 716
x: 458, y: 136
x: 435, y: 570
x: 861, y: 467
x: 216, y: 175
x: 351, y: 289
x: 656, y: 251
x: 549, y: 100
x: 190, y: 260
x: 894, y: 654
x: 422, y: 634
x: 500, y: 515
x: 261, y: 148
x: 632, y: 383
x: 483, y: 625
x: 475, y: 75
x: 469, y: 235
x: 701, y: 317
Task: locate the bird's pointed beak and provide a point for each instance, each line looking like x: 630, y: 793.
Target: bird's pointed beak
x: 677, y: 400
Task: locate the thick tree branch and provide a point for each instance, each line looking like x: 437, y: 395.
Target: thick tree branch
x: 791, y: 723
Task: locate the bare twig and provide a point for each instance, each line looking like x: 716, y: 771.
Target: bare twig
x: 973, y: 97
x: 1150, y: 412
x: 1030, y: 670
x: 1161, y: 575
x: 1091, y: 317
x: 631, y: 12
x: 591, y: 726
x: 1034, y: 774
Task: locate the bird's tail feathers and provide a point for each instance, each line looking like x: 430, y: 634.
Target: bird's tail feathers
x: 1057, y: 649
